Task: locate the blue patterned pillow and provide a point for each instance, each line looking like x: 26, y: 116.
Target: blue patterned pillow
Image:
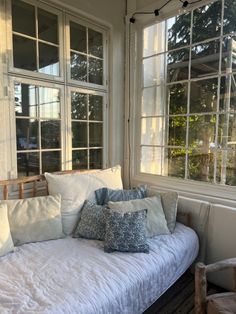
x: 105, y: 195
x: 126, y: 232
x: 92, y: 222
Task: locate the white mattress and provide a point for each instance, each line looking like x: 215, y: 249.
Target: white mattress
x: 76, y: 276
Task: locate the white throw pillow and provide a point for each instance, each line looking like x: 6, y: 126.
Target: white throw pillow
x: 75, y: 188
x: 6, y: 244
x: 156, y: 221
x: 35, y: 219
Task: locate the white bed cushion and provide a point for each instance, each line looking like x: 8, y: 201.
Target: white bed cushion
x: 6, y: 244
x: 35, y: 219
x: 75, y: 188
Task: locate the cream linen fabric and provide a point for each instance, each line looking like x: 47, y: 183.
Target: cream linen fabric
x: 156, y: 222
x: 35, y: 219
x: 6, y: 244
x: 75, y: 188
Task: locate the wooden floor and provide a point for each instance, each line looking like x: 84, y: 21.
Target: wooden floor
x: 179, y: 299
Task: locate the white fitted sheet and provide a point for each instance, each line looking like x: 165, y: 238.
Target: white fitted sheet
x: 76, y: 276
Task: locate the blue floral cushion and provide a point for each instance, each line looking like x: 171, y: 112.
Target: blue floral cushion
x: 126, y: 232
x: 92, y: 222
x: 104, y: 195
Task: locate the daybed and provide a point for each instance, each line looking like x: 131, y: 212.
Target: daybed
x: 71, y: 275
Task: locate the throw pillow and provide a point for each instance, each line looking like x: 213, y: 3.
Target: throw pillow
x: 75, y: 188
x: 6, y: 244
x: 35, y: 219
x: 156, y: 222
x: 126, y: 232
x: 92, y: 222
x: 169, y: 202
x: 105, y: 195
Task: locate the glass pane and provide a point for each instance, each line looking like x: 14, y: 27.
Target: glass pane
x: 95, y: 107
x: 51, y: 161
x: 151, y: 131
x: 177, y: 65
x: 27, y: 164
x: 79, y: 134
x: 50, y: 134
x: 25, y: 100
x: 27, y: 134
x: 153, y: 71
x: 177, y: 131
x: 95, y: 134
x: 47, y: 26
x: 23, y: 18
x: 177, y: 98
x: 202, y: 131
x: 79, y: 159
x: 78, y: 67
x: 49, y: 103
x: 78, y: 40
x: 228, y: 63
x: 176, y: 162
x: 24, y: 53
x: 227, y: 131
x: 48, y: 59
x: 152, y: 101
x: 95, y: 45
x: 95, y: 159
x: 178, y: 31
x: 205, y: 59
x: 229, y: 25
x: 201, y: 165
x: 226, y: 167
x: 151, y: 160
x: 227, y: 93
x: 206, y: 21
x: 203, y: 95
x: 154, y: 39
x: 79, y: 106
x: 95, y: 71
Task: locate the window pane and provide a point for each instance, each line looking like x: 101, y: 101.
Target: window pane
x: 177, y: 65
x: 153, y: 71
x: 51, y: 161
x: 154, y: 39
x: 179, y: 31
x: 50, y: 134
x: 175, y: 159
x: 202, y: 131
x: 229, y: 25
x: 27, y: 164
x: 79, y: 106
x: 79, y: 134
x: 78, y: 39
x: 177, y: 131
x: 48, y: 59
x: 227, y: 131
x: 152, y: 101
x: 25, y: 100
x: 95, y: 71
x: 47, y: 26
x: 205, y: 59
x: 49, y: 103
x: 78, y: 67
x: 95, y: 107
x: 80, y: 159
x: 226, y: 167
x: 95, y: 158
x: 152, y: 131
x: 24, y: 53
x: 228, y: 63
x: 95, y: 45
x: 203, y: 95
x: 201, y: 165
x: 23, y: 18
x: 27, y: 134
x: 151, y: 160
x: 177, y: 98
x: 227, y: 93
x: 95, y: 134
x: 206, y: 21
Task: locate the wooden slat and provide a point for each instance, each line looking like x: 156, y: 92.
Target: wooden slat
x: 200, y: 288
x: 34, y: 188
x: 234, y: 270
x: 5, y: 192
x: 21, y: 190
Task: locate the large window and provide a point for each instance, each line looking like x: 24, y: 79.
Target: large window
x: 58, y: 74
x: 188, y: 95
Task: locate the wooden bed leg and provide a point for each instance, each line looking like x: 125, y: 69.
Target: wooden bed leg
x: 200, y: 289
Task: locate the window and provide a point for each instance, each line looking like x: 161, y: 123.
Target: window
x: 188, y: 123
x: 60, y: 120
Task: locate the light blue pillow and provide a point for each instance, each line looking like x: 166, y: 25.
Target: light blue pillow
x: 105, y: 195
